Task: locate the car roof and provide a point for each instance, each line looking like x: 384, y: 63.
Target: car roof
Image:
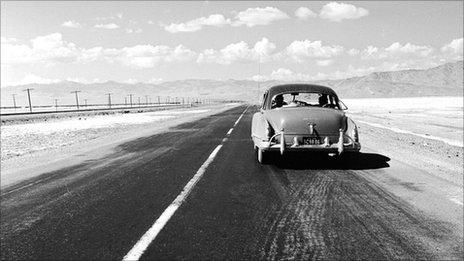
x: 299, y: 87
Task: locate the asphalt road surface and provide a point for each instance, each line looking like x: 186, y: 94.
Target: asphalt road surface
x: 298, y: 207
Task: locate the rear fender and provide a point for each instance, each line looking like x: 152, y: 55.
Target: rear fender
x: 351, y: 129
x: 258, y: 127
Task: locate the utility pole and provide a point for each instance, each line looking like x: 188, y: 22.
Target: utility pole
x: 259, y: 75
x: 125, y: 101
x: 29, y: 97
x: 85, y: 102
x: 14, y: 101
x: 139, y: 101
x: 130, y: 98
x: 159, y: 102
x: 77, y: 98
x: 109, y: 99
x: 56, y: 104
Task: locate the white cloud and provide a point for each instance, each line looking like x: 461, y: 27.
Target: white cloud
x: 397, y: 51
x: 84, y: 80
x: 48, y: 49
x: 287, y: 75
x: 216, y: 20
x: 155, y: 80
x: 300, y: 51
x: 259, y: 16
x: 110, y: 17
x: 109, y: 26
x: 91, y: 54
x: 132, y: 81
x: 150, y: 22
x: 370, y: 51
x: 397, y: 48
x: 34, y: 79
x: 325, y: 62
x: 133, y: 22
x: 337, y: 12
x: 304, y: 13
x: 239, y: 52
x: 250, y: 17
x: 71, y: 24
x: 52, y: 49
x: 147, y: 56
x: 133, y: 31
x: 353, y: 52
x: 305, y: 51
x: 264, y: 48
x: 283, y: 74
x: 453, y: 48
x: 6, y: 40
x: 231, y: 53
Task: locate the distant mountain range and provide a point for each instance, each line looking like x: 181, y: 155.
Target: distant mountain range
x: 444, y: 80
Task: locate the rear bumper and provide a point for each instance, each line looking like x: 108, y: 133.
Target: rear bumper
x: 345, y: 144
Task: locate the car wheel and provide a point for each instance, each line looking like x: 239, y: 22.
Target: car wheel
x: 260, y: 155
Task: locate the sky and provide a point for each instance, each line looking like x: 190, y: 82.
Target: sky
x: 153, y: 42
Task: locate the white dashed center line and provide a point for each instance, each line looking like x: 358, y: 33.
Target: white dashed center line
x: 139, y: 248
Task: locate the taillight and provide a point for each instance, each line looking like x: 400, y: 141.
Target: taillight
x: 344, y: 123
x: 355, y: 134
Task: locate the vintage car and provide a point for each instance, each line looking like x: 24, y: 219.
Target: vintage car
x: 303, y: 117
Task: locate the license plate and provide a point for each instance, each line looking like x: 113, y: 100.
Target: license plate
x: 311, y: 141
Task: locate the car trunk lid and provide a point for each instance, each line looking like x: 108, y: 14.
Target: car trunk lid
x: 298, y: 120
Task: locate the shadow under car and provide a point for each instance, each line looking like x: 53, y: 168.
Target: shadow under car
x: 310, y: 160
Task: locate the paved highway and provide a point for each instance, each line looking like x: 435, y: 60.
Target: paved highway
x: 197, y: 192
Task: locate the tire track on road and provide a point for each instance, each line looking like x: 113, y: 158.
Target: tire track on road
x: 337, y: 214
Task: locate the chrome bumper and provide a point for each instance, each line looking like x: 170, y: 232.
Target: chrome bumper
x: 338, y: 147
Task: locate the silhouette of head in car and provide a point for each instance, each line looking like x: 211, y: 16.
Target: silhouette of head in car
x: 323, y: 100
x: 279, y: 101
